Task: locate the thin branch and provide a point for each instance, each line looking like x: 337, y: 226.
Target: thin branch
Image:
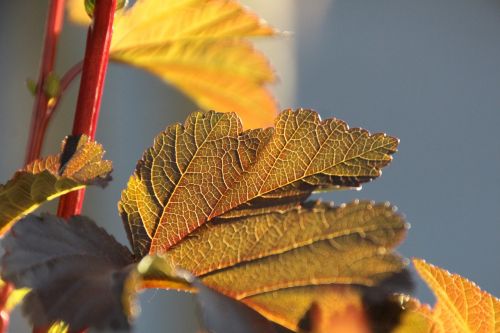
x: 39, y: 121
x: 94, y: 69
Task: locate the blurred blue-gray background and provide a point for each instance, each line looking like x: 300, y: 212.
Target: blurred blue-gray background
x: 426, y: 71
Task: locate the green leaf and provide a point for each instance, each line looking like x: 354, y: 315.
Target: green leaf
x: 79, y: 164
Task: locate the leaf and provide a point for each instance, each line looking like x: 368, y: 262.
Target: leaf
x: 198, y: 46
x: 58, y: 327
x: 77, y: 273
x: 79, y: 164
x: 461, y: 306
x: 355, y: 255
x: 208, y: 167
x: 288, y: 306
x: 330, y: 308
x: 76, y: 12
x: 223, y: 314
x: 416, y: 318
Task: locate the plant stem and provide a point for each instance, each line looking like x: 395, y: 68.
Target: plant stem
x: 94, y: 69
x: 40, y: 114
x: 39, y: 120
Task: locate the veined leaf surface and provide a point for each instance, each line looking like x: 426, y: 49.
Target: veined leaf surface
x: 208, y: 167
x: 79, y: 164
x: 227, y: 206
x: 461, y: 306
x: 198, y: 46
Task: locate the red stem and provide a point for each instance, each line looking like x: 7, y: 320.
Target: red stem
x: 39, y: 120
x: 94, y: 69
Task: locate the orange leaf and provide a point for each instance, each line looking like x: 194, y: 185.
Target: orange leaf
x: 461, y: 306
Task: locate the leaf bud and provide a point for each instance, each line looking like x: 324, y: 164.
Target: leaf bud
x: 52, y: 85
x: 31, y: 85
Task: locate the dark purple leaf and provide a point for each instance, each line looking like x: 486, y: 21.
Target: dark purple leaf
x: 76, y: 271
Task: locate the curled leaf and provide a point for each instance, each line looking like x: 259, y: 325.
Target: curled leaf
x: 79, y: 164
x: 77, y: 273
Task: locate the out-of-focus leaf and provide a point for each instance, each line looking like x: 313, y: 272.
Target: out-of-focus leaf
x: 76, y: 272
x: 77, y: 13
x: 200, y: 47
x: 312, y: 308
x: 461, y: 306
x: 59, y: 327
x: 209, y: 167
x: 223, y: 314
x: 416, y: 317
x: 330, y: 308
x: 79, y: 164
x: 159, y: 272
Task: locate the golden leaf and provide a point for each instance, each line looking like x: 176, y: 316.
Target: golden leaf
x: 326, y: 309
x: 208, y: 167
x: 76, y: 12
x: 79, y: 164
x: 198, y: 46
x: 461, y: 306
x: 227, y: 206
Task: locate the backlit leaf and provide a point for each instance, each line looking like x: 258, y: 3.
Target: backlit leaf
x: 208, y: 167
x: 79, y: 164
x: 227, y: 206
x: 76, y: 12
x: 461, y: 306
x: 76, y: 272
x: 255, y: 237
x: 200, y: 47
x: 329, y: 308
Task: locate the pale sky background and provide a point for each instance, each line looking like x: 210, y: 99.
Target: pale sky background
x: 426, y: 71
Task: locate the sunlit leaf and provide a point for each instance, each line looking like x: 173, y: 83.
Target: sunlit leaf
x: 76, y: 12
x: 200, y: 47
x: 289, y: 306
x: 255, y: 237
x: 461, y: 306
x: 208, y: 167
x: 79, y: 164
x: 227, y: 206
x: 59, y: 327
x: 330, y: 308
x: 76, y: 272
